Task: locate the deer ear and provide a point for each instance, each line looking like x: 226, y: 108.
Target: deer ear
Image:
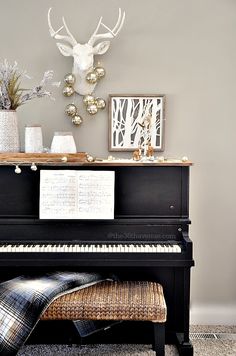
x: 65, y: 50
x: 101, y: 48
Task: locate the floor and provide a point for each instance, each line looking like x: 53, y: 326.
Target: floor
x: 207, y: 341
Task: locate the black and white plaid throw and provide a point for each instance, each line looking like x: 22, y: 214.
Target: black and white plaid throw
x: 24, y: 299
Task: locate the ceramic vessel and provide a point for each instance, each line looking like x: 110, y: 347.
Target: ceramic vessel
x: 33, y: 139
x: 63, y: 142
x: 9, y: 133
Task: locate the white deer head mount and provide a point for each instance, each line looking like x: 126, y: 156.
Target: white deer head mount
x: 83, y: 54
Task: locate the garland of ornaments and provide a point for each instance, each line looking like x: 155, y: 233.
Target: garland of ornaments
x: 91, y: 103
x: 136, y: 157
x: 33, y: 165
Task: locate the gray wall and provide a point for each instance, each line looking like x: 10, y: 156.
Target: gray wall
x: 185, y: 49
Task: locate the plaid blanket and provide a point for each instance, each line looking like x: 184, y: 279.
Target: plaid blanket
x: 24, y: 299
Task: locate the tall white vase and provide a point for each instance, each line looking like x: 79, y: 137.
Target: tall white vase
x: 9, y: 133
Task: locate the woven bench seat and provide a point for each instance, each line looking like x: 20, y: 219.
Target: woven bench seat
x: 114, y: 300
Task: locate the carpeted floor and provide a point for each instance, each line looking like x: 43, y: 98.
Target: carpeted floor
x: 224, y: 346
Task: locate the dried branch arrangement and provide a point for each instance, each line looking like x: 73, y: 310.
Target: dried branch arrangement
x: 12, y: 95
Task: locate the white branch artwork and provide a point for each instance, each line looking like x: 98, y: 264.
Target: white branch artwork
x: 127, y: 117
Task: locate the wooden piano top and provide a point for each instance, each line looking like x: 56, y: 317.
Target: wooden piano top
x: 82, y: 159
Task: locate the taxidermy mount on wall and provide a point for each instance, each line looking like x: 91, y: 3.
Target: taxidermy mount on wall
x: 85, y: 76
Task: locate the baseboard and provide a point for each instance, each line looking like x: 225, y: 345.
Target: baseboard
x: 213, y: 314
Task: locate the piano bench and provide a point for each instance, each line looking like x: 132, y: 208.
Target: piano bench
x: 115, y: 300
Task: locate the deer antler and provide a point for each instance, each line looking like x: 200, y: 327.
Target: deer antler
x: 111, y: 33
x: 55, y: 34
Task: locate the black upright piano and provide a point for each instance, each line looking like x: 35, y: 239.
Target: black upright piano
x: 147, y: 240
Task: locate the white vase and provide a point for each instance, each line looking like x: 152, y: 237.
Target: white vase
x: 9, y: 133
x: 33, y: 139
x: 63, y: 142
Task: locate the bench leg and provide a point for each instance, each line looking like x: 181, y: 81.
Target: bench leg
x: 159, y: 338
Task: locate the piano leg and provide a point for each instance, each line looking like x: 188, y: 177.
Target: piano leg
x: 184, y: 348
x: 183, y: 342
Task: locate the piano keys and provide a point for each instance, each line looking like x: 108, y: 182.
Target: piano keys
x: 91, y: 248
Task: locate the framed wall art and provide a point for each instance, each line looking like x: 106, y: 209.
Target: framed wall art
x: 127, y: 114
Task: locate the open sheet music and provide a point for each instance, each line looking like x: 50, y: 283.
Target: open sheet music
x: 70, y: 194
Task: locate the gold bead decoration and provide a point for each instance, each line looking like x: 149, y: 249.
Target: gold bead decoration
x: 100, y: 72
x: 161, y: 159
x: 184, y: 159
x: 71, y: 110
x: 68, y: 91
x: 69, y: 79
x: 77, y: 120
x: 101, y: 104
x: 88, y: 99
x: 92, y: 78
x: 92, y: 109
x: 90, y: 158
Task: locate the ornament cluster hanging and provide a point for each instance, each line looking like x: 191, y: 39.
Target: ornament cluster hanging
x: 92, y: 103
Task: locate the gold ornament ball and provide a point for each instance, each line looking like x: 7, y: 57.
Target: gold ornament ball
x: 68, y: 91
x: 100, y: 71
x: 92, y: 109
x: 92, y: 78
x: 88, y: 99
x: 71, y: 110
x: 69, y: 79
x: 77, y: 120
x: 101, y: 104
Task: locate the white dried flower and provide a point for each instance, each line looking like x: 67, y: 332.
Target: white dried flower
x: 11, y: 94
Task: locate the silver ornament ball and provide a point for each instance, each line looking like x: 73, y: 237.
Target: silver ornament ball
x: 88, y: 99
x: 92, y: 78
x: 77, y: 120
x: 101, y: 104
x: 68, y: 91
x: 100, y: 71
x: 71, y: 110
x: 69, y: 79
x: 92, y: 109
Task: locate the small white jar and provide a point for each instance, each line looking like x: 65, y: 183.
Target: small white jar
x: 33, y: 139
x: 63, y: 142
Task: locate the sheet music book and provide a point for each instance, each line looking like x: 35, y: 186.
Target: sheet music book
x: 71, y: 194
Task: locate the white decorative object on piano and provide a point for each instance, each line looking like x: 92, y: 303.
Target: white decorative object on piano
x: 9, y: 133
x: 63, y: 142
x: 184, y: 159
x: 33, y: 139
